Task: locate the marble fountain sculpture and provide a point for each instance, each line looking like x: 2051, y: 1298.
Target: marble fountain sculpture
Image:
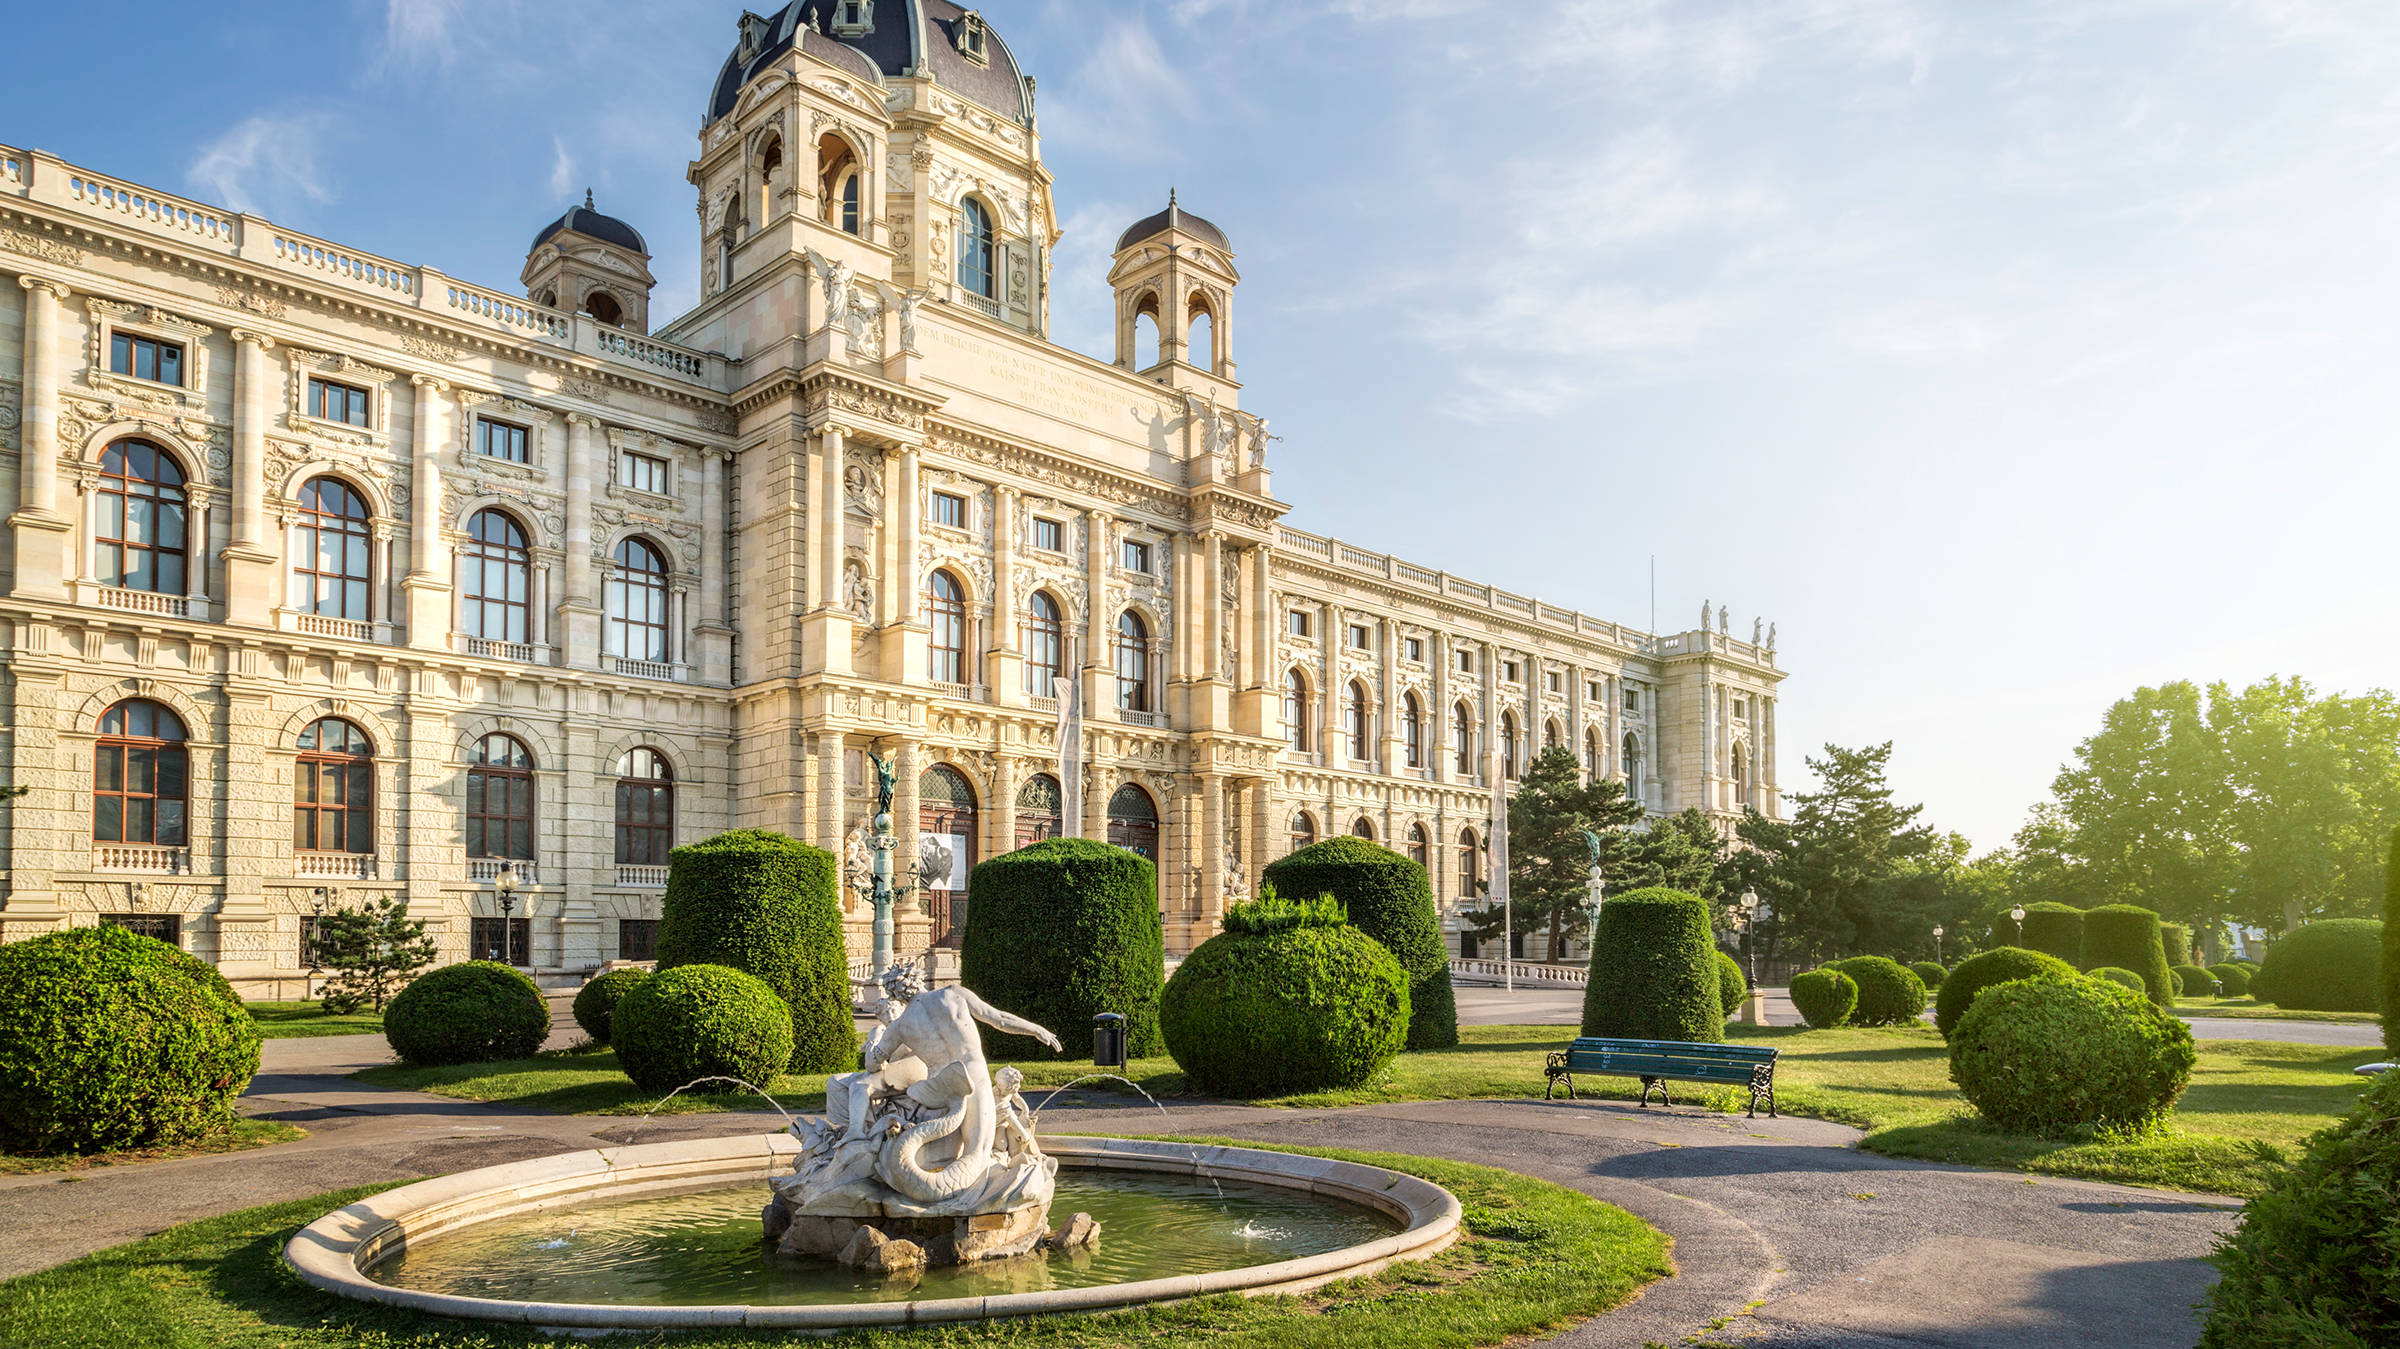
x: 926, y: 1156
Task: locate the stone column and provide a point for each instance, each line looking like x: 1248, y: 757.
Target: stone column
x: 1212, y: 848
x: 578, y: 610
x: 1393, y: 755
x: 429, y: 580
x: 538, y: 606
x: 1001, y: 810
x: 42, y: 532
x: 1099, y: 621
x: 1486, y: 660
x: 195, y: 543
x: 1444, y: 768
x: 712, y: 645
x: 911, y: 586
x: 1005, y: 670
x: 829, y: 794
x: 250, y: 580
x: 827, y: 519
x: 1331, y: 752
x: 1263, y: 673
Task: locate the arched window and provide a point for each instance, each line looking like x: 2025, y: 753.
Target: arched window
x: 333, y: 789
x: 1295, y: 710
x: 945, y: 846
x: 1045, y: 645
x: 1199, y: 337
x: 1038, y: 807
x: 140, y: 776
x: 1304, y: 829
x: 636, y: 601
x: 1412, y: 729
x: 1419, y: 845
x: 1462, y: 739
x: 332, y: 567
x: 946, y: 642
x: 604, y: 308
x: 838, y: 187
x: 1356, y: 724
x: 1549, y: 736
x: 498, y: 580
x: 1146, y: 348
x: 138, y: 537
x: 1632, y: 762
x: 1591, y: 756
x: 1470, y: 864
x: 500, y: 799
x: 770, y: 165
x: 975, y: 270
x: 1741, y: 774
x: 1133, y: 662
x: 1133, y: 821
x: 1362, y: 827
x: 1508, y: 745
x: 645, y: 808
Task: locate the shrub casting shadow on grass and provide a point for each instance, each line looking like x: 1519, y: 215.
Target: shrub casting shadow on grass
x: 302, y: 1020
x: 239, y: 1136
x: 1536, y: 1258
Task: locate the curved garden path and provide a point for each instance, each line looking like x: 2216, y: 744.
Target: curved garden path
x: 1835, y: 1247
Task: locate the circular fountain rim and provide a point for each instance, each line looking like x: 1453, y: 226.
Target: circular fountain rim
x: 335, y: 1252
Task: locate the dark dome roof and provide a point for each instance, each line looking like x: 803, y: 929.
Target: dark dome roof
x: 911, y: 36
x: 593, y: 225
x: 1173, y: 218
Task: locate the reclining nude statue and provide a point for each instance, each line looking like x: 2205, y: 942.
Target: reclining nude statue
x: 925, y: 1155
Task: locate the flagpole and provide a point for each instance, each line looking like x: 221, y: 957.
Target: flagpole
x: 1497, y: 886
x: 1070, y: 746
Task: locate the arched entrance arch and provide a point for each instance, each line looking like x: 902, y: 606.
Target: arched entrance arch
x: 1133, y: 821
x: 945, y: 847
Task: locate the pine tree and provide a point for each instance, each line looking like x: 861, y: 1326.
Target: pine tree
x: 373, y: 952
x: 1833, y: 874
x: 1549, y: 860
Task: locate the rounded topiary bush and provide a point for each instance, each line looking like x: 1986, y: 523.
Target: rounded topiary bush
x: 597, y: 1000
x: 2067, y: 1056
x: 2128, y: 937
x: 1288, y: 998
x: 2178, y: 940
x: 472, y: 1012
x: 1733, y: 990
x: 2391, y: 947
x: 2194, y: 982
x: 1889, y: 993
x: 765, y: 903
x: 112, y: 1040
x: 1825, y: 997
x: 1654, y: 969
x: 2330, y: 966
x: 2232, y: 980
x: 1997, y: 966
x: 2310, y: 1266
x: 1059, y: 932
x: 2121, y: 978
x: 2053, y: 930
x: 1390, y: 899
x: 697, y: 1021
x: 1929, y: 972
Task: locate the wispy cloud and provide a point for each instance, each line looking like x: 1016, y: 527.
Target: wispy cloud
x: 562, y: 169
x: 1124, y: 93
x: 267, y: 165
x: 422, y: 32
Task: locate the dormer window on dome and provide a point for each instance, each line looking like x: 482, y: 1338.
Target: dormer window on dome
x: 754, y: 31
x: 853, y: 18
x: 973, y: 37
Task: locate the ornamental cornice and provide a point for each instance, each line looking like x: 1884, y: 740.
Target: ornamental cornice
x: 1055, y: 471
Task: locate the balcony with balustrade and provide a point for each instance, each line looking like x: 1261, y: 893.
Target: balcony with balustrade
x: 485, y: 870
x: 142, y: 859
x: 339, y: 866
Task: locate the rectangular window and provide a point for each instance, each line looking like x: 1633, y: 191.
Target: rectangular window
x: 1362, y: 637
x: 1508, y: 671
x: 637, y: 939
x: 1049, y: 535
x: 499, y: 440
x: 1633, y: 701
x: 506, y: 940
x: 1591, y: 690
x: 1741, y: 709
x: 1558, y: 682
x: 1466, y: 662
x: 166, y: 927
x: 328, y: 401
x: 1299, y: 622
x: 642, y: 473
x: 1137, y: 556
x: 1414, y: 648
x: 949, y: 508
x: 145, y: 358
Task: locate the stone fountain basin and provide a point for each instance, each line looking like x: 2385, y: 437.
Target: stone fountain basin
x: 336, y: 1251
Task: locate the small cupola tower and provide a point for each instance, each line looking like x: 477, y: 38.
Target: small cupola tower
x: 1175, y: 270
x: 588, y: 263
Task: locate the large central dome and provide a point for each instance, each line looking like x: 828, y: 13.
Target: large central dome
x: 901, y: 38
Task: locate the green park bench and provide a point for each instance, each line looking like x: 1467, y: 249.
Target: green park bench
x: 1658, y: 1062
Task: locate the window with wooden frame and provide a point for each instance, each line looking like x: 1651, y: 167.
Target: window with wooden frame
x: 1050, y: 536
x: 1045, y: 645
x: 503, y: 440
x: 645, y: 809
x: 642, y: 472
x: 141, y: 776
x: 331, y: 401
x: 147, y: 358
x: 500, y: 799
x: 138, y: 535
x: 950, y: 510
x: 497, y: 579
x: 637, y: 939
x: 635, y: 601
x: 1133, y: 662
x: 332, y: 552
x: 333, y: 789
x: 946, y: 629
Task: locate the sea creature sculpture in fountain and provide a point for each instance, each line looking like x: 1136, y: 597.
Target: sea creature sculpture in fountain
x: 926, y: 1156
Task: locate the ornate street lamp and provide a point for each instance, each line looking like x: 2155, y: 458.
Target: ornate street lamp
x: 1937, y: 943
x: 320, y: 900
x: 2017, y: 916
x: 1749, y: 910
x: 504, y: 890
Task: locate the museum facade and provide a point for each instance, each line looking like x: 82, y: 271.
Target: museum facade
x: 328, y: 576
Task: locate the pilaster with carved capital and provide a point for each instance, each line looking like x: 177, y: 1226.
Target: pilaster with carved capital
x: 42, y: 531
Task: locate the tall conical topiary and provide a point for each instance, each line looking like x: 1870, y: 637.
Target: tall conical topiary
x: 1654, y: 970
x: 2391, y: 947
x: 1390, y: 899
x: 2128, y: 937
x: 1059, y: 932
x: 764, y: 903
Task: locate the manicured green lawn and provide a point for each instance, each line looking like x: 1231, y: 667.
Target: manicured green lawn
x: 1536, y: 1258
x: 2252, y: 1009
x: 286, y: 1020
x: 239, y: 1136
x: 1894, y: 1083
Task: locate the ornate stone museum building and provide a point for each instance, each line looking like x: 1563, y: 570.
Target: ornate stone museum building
x: 329, y: 576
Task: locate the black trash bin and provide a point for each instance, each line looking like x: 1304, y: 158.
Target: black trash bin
x: 1108, y: 1040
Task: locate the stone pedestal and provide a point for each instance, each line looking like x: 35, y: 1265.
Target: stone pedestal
x: 937, y: 1241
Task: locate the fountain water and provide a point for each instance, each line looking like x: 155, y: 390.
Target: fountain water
x: 661, y: 1103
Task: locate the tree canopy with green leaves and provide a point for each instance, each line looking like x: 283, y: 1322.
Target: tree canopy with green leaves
x: 1846, y: 872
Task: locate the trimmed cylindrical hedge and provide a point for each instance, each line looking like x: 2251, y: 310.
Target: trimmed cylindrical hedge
x: 1889, y: 993
x: 2233, y: 981
x: 1825, y: 997
x: 2333, y: 965
x: 1997, y: 966
x: 2178, y: 939
x: 1314, y: 1006
x: 696, y: 1021
x: 597, y: 1000
x: 1928, y: 971
x: 112, y: 1040
x: 1059, y: 932
x: 765, y: 903
x: 1390, y: 899
x: 2191, y: 981
x: 2053, y: 929
x: 2311, y: 1264
x: 1733, y: 990
x: 2121, y: 978
x: 2065, y: 1056
x: 2391, y: 947
x: 2128, y: 937
x: 477, y: 1011
x: 1654, y: 970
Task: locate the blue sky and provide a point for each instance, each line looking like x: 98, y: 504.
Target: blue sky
x: 2006, y: 356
